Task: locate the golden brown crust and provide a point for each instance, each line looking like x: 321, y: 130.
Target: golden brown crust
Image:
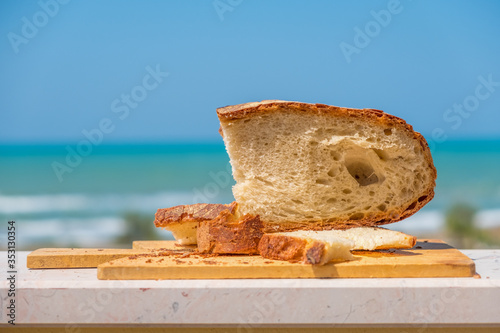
x: 228, y: 234
x: 378, y: 117
x: 190, y: 213
x: 291, y: 249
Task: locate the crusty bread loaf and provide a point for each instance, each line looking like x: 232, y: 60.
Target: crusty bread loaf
x: 183, y: 220
x: 230, y: 233
x: 300, y: 244
x: 313, y: 166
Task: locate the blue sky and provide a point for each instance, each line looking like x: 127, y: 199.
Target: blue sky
x: 72, y: 72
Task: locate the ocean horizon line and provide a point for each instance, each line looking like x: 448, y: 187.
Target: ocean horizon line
x: 197, y: 142
x: 193, y: 146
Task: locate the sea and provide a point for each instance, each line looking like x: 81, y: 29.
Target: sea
x: 80, y: 195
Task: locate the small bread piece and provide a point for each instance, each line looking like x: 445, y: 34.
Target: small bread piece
x: 309, y: 245
x: 183, y: 220
x: 304, y: 249
x: 229, y: 233
x: 314, y: 166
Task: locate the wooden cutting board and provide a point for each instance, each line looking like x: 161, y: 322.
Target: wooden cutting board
x: 429, y: 258
x: 91, y: 258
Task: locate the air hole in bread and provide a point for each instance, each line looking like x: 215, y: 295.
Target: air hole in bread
x: 382, y: 207
x: 335, y: 155
x: 413, y: 205
x: 297, y: 201
x: 264, y: 181
x: 356, y: 216
x: 331, y: 200
x: 331, y: 172
x: 387, y: 131
x: 323, y: 181
x: 346, y: 191
x: 371, y: 193
x: 405, y: 192
x: 422, y: 198
x: 381, y: 154
x: 362, y: 172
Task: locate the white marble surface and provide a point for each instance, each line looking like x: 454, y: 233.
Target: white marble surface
x: 76, y: 296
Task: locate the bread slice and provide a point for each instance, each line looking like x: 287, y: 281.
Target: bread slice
x: 230, y: 233
x: 314, y: 166
x: 183, y: 220
x: 319, y: 247
x: 301, y: 248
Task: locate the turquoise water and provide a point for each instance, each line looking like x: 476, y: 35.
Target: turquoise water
x: 469, y: 172
x: 108, y: 169
x: 90, y: 199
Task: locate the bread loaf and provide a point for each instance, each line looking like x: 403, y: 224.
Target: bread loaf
x: 314, y: 166
x: 320, y: 247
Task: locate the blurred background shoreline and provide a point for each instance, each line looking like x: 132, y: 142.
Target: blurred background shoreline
x: 109, y: 199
